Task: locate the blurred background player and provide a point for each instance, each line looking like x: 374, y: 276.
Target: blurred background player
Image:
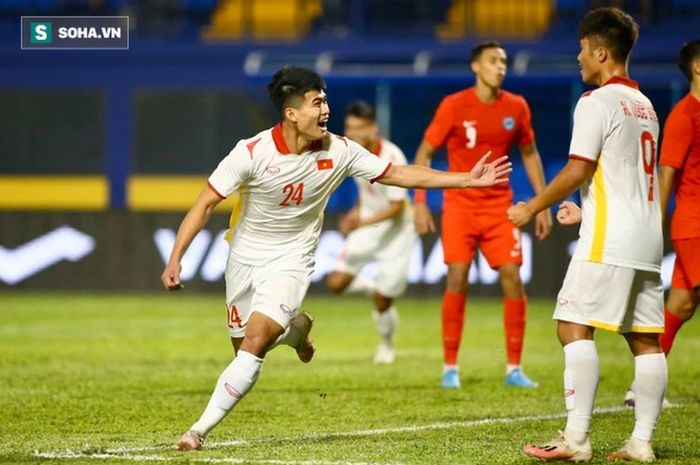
x: 285, y: 176
x: 380, y: 227
x: 680, y: 170
x: 471, y: 122
x: 613, y: 281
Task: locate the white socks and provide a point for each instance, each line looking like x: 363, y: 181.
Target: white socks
x: 650, y: 378
x: 386, y: 321
x: 581, y: 374
x: 234, y: 382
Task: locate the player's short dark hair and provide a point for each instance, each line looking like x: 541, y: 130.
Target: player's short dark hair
x: 689, y: 53
x: 615, y: 29
x: 479, y: 49
x: 293, y: 82
x: 361, y: 109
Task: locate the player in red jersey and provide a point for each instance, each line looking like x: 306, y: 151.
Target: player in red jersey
x: 680, y: 169
x: 471, y: 122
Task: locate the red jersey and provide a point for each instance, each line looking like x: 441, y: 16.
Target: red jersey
x: 470, y: 128
x: 681, y: 150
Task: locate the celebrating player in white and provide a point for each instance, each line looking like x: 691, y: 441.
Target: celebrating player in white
x: 613, y: 281
x: 380, y: 227
x: 285, y: 176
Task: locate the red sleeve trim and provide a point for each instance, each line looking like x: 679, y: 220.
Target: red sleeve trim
x: 386, y: 170
x: 582, y: 158
x: 213, y: 189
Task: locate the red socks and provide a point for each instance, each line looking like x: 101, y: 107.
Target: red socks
x: 452, y: 324
x: 672, y: 324
x: 514, y: 324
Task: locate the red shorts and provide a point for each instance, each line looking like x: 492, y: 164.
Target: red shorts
x: 498, y: 239
x: 686, y: 270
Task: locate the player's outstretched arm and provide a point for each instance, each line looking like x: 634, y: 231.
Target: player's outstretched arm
x: 567, y: 181
x: 482, y: 175
x: 197, y: 217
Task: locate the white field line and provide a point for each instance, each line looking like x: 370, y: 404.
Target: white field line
x: 125, y: 453
x: 225, y: 460
x: 368, y: 432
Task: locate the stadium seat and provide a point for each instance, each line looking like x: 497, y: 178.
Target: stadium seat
x: 263, y: 19
x: 500, y: 18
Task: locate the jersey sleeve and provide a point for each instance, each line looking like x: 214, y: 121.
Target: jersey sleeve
x: 527, y: 133
x: 232, y: 171
x: 364, y: 164
x: 589, y: 130
x: 441, y: 125
x: 678, y: 135
x: 396, y: 193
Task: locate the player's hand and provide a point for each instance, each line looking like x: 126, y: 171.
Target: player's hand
x: 569, y: 213
x: 520, y: 214
x: 487, y: 174
x: 543, y: 224
x: 349, y: 222
x: 171, y: 277
x: 423, y: 219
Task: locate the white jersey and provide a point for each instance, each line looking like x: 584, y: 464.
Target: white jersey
x: 375, y: 198
x: 283, y: 195
x: 616, y: 127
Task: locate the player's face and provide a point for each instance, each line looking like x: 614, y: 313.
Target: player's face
x: 362, y: 131
x: 491, y: 67
x: 311, y: 117
x: 588, y: 62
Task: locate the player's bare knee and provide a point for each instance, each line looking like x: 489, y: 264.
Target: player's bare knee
x: 643, y: 343
x: 236, y: 343
x: 458, y: 278
x: 336, y: 283
x: 511, y: 283
x: 568, y: 332
x: 382, y: 303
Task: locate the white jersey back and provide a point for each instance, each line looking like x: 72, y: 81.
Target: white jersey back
x: 375, y: 198
x: 616, y: 127
x: 283, y: 195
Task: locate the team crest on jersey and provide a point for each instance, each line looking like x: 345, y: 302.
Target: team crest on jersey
x: 273, y: 169
x: 508, y: 123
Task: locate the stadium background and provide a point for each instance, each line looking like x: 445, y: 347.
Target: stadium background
x: 101, y: 152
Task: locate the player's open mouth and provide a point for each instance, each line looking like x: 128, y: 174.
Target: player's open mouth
x: 323, y: 125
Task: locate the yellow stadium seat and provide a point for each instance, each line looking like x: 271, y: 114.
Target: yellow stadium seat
x: 263, y: 19
x: 496, y: 18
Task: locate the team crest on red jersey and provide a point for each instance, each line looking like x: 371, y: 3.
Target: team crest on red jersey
x: 508, y: 123
x: 324, y: 164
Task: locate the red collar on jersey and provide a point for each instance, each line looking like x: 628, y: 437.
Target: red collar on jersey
x: 377, y: 149
x: 624, y: 81
x: 281, y: 145
x: 278, y: 137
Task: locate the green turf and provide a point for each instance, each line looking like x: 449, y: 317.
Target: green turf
x: 89, y: 373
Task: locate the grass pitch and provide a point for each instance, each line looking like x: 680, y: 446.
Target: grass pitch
x: 99, y: 378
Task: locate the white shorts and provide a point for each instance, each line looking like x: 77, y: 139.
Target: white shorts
x: 275, y: 289
x: 391, y: 247
x: 611, y: 297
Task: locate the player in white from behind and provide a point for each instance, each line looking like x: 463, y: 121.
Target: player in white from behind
x: 613, y: 281
x: 285, y: 176
x: 380, y: 227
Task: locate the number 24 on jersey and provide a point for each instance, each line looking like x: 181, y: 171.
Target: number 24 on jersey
x: 293, y: 195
